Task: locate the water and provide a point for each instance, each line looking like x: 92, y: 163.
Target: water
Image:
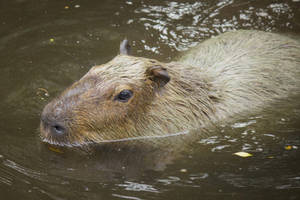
x: 46, y: 45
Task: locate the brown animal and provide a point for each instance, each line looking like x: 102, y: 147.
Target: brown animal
x: 133, y: 97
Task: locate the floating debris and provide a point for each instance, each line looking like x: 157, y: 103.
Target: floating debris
x: 243, y: 154
x: 54, y: 149
x: 183, y: 170
x: 290, y: 147
x: 42, y: 92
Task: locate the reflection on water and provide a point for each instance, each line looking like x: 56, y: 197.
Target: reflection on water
x: 47, y: 45
x: 181, y: 25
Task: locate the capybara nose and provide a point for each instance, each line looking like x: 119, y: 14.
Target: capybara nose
x: 55, y: 128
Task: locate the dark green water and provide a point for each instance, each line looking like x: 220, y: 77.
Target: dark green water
x: 44, y: 44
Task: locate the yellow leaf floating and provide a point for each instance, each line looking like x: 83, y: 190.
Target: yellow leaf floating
x: 288, y: 147
x: 55, y: 149
x: 243, y: 154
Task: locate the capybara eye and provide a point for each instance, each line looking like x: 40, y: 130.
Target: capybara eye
x: 124, y: 95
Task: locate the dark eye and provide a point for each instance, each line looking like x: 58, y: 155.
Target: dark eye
x: 124, y: 95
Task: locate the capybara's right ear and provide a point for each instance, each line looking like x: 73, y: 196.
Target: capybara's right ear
x: 158, y: 74
x: 125, y: 47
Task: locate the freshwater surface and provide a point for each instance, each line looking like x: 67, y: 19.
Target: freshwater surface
x: 45, y: 45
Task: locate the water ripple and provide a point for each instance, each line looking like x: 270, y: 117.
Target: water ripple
x: 28, y: 172
x: 132, y: 186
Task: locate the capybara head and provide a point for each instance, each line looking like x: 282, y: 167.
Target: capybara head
x: 110, y: 102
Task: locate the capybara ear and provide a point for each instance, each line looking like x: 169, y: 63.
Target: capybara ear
x: 158, y: 74
x: 125, y: 47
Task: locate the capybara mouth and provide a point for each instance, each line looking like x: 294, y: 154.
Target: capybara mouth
x: 62, y: 142
x: 50, y: 139
x: 47, y: 136
x: 58, y: 142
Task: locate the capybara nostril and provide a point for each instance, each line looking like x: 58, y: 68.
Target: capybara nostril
x: 52, y: 126
x: 58, y: 129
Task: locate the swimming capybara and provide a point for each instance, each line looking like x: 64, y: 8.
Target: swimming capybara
x: 133, y: 97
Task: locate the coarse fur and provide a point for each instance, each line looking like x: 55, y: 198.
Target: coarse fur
x: 236, y: 72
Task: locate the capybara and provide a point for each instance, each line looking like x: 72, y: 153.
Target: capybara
x: 133, y: 97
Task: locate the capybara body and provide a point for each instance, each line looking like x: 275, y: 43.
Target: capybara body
x: 130, y: 97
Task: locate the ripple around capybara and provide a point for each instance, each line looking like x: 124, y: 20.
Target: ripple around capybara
x: 133, y: 97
